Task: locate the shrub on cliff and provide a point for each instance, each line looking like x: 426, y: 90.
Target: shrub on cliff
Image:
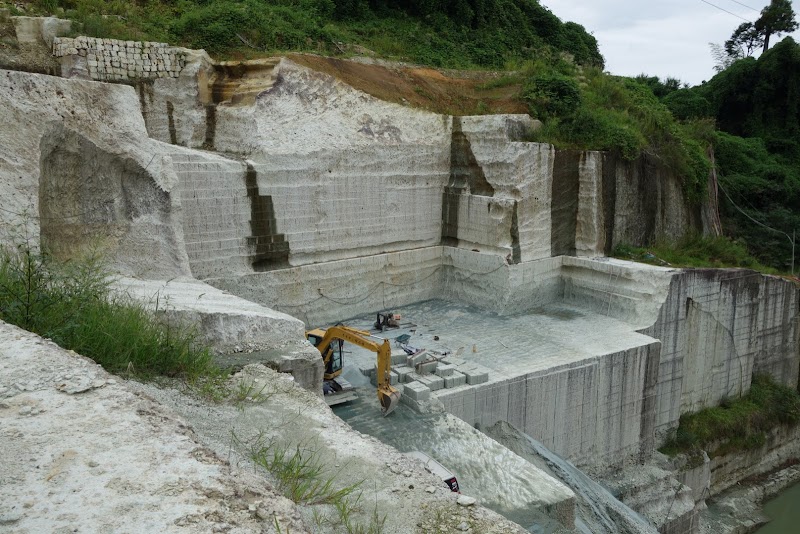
x: 737, y: 424
x: 693, y: 251
x: 617, y: 113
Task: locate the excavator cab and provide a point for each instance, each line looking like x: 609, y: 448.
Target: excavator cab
x: 332, y: 357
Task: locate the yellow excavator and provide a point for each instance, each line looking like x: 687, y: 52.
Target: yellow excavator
x: 329, y: 343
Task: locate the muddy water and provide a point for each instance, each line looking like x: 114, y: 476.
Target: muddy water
x: 784, y: 513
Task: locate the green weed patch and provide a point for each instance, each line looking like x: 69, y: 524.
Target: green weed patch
x: 737, y: 424
x: 71, y: 304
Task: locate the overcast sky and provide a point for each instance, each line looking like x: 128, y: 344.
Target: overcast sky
x: 665, y: 38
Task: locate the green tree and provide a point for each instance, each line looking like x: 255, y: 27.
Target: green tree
x: 775, y: 19
x: 744, y: 41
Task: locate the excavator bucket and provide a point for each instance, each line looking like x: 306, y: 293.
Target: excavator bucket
x: 389, y: 398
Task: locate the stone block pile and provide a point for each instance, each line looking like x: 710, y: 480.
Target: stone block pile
x: 116, y: 60
x: 423, y: 373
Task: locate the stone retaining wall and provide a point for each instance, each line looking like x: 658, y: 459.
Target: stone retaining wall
x: 112, y: 59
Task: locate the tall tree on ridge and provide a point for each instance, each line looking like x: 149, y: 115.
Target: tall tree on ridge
x: 776, y: 18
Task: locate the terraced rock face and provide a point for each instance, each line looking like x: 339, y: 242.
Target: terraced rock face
x: 288, y: 188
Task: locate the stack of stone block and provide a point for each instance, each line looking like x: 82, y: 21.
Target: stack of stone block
x: 115, y: 60
x: 420, y: 373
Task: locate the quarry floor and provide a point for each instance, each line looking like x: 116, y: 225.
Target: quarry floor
x: 509, y: 346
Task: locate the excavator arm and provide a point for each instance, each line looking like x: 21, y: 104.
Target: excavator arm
x: 388, y: 396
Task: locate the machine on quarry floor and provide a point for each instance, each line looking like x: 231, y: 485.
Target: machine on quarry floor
x: 337, y: 390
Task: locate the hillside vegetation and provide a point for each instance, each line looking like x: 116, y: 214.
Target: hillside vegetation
x: 755, y: 104
x: 445, y: 33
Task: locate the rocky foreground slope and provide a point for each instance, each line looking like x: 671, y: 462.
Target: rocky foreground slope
x: 86, y: 451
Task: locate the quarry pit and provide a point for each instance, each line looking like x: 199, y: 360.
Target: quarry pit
x: 258, y: 200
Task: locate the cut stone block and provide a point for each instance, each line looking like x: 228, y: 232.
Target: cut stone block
x: 428, y: 367
x: 394, y: 378
x: 417, y: 391
x: 476, y: 376
x: 433, y: 382
x: 453, y: 360
x: 454, y: 380
x: 366, y: 370
x: 399, y: 357
x: 445, y: 369
x: 417, y: 358
x: 403, y: 373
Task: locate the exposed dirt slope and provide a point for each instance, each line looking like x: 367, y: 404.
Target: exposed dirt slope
x: 448, y: 92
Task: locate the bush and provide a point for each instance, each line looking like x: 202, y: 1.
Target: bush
x: 71, y: 304
x: 552, y: 94
x: 693, y: 251
x: 737, y: 424
x: 453, y: 33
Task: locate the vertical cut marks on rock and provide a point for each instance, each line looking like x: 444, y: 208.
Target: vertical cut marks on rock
x: 211, y: 126
x: 564, y: 207
x: 269, y: 249
x: 516, y: 252
x: 609, y: 185
x: 466, y: 178
x: 464, y: 168
x: 173, y: 135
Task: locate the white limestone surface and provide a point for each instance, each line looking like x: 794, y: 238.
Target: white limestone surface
x: 216, y: 212
x: 35, y: 30
x: 590, y: 231
x: 325, y: 292
x: 231, y: 325
x: 82, y: 451
x: 718, y: 327
x: 632, y: 292
x: 520, y: 173
x: 76, y: 164
x: 307, y: 111
x: 577, y: 381
x: 349, y: 175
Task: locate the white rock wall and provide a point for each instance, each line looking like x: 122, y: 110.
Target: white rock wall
x: 592, y: 411
x: 116, y: 60
x: 590, y: 231
x: 520, y: 174
x: 334, y: 205
x: 648, y: 202
x: 330, y: 292
x: 633, y: 292
x: 217, y: 212
x: 348, y: 175
x: 35, y: 30
x: 489, y: 282
x: 718, y: 327
x: 73, y: 127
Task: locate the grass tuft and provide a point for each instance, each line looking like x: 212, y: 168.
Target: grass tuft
x: 71, y: 303
x: 302, y: 477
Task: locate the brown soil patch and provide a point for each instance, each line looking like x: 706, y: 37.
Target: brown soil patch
x: 450, y: 93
